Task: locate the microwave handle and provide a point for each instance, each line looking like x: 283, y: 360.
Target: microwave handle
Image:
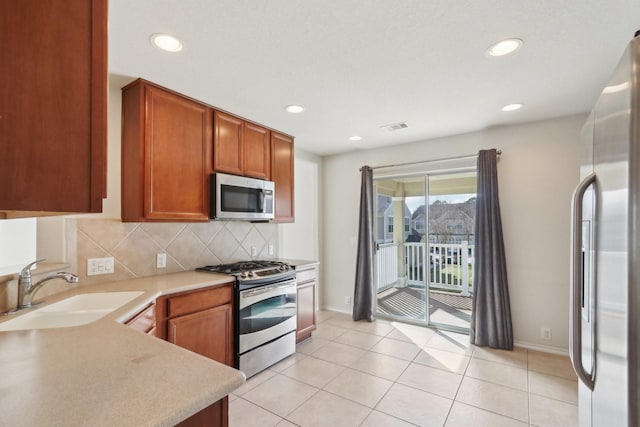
x: 261, y: 201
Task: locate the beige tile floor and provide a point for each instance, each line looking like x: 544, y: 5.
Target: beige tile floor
x: 393, y: 374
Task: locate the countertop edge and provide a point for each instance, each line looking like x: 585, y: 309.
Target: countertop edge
x: 222, y: 379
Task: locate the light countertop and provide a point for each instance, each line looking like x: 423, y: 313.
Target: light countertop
x: 106, y: 373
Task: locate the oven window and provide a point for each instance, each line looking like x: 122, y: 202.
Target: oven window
x: 240, y: 199
x: 267, y: 313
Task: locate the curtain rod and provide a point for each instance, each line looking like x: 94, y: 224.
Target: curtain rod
x: 498, y: 152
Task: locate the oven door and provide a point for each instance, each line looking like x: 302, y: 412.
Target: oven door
x: 266, y: 313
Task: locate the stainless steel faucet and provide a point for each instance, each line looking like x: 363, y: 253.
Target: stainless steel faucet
x: 27, y: 290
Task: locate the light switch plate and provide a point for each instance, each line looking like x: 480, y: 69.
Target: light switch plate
x: 99, y: 266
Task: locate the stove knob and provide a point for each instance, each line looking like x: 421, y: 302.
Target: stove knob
x: 244, y: 274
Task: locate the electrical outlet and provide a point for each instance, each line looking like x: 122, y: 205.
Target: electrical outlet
x: 99, y: 266
x: 270, y: 249
x: 254, y: 251
x: 545, y: 333
x: 347, y: 300
x: 161, y: 260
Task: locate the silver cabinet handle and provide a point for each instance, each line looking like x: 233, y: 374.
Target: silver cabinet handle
x: 575, y: 320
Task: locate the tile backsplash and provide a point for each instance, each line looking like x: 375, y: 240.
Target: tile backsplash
x: 134, y: 246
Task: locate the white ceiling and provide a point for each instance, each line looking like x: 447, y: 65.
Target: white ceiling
x: 359, y: 65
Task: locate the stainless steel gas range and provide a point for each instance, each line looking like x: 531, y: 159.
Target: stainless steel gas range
x: 265, y: 312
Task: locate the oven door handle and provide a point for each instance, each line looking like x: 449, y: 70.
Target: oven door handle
x: 264, y: 289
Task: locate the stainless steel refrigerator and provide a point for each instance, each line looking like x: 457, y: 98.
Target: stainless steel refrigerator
x: 605, y: 256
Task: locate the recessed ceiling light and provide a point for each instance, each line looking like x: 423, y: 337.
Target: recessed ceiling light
x: 504, y: 47
x: 294, y: 109
x: 355, y: 138
x: 166, y: 42
x: 512, y: 107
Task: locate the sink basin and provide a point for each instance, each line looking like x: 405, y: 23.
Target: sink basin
x: 74, y: 311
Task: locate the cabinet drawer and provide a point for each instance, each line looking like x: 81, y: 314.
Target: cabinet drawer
x: 306, y: 275
x: 199, y: 300
x: 144, y: 321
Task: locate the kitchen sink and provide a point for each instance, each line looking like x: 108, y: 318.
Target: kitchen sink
x: 73, y: 311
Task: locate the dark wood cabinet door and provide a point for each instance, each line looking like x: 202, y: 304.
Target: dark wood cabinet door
x: 257, y: 151
x: 215, y: 415
x: 177, y: 141
x: 306, y: 315
x: 227, y: 143
x: 166, y: 155
x: 144, y: 321
x: 208, y: 332
x: 53, y: 105
x: 282, y: 174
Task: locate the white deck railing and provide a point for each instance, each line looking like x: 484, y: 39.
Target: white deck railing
x: 451, y: 266
x: 387, y: 265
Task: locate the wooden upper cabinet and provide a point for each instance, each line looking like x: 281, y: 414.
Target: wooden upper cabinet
x: 282, y: 174
x: 166, y: 146
x: 53, y: 106
x: 240, y: 147
x: 257, y: 151
x: 227, y: 143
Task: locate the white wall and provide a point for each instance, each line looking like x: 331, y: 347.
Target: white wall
x: 537, y: 172
x: 17, y: 244
x: 301, y: 240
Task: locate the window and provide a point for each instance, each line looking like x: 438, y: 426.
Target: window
x: 455, y: 226
x: 390, y: 228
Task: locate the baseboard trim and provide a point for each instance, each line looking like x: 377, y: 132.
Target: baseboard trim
x: 346, y: 310
x: 542, y: 348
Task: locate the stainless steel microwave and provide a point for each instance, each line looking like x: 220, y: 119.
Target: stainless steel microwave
x: 240, y: 198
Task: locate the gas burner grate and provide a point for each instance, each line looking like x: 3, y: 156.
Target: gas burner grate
x: 239, y: 267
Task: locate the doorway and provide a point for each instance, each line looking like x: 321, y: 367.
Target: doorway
x: 424, y: 235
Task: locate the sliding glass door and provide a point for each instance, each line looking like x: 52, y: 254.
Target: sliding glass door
x: 400, y: 238
x: 424, y: 235
x: 452, y: 210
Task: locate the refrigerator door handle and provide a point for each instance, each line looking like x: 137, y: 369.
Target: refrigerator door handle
x: 575, y: 305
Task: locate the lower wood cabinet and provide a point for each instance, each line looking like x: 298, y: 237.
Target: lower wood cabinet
x: 307, y: 279
x: 205, y: 333
x: 201, y: 321
x: 145, y: 320
x: 213, y: 415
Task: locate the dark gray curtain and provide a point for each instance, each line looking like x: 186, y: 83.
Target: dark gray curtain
x: 363, y: 303
x: 491, y: 317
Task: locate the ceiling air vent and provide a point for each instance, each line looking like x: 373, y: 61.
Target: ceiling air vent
x: 395, y: 126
